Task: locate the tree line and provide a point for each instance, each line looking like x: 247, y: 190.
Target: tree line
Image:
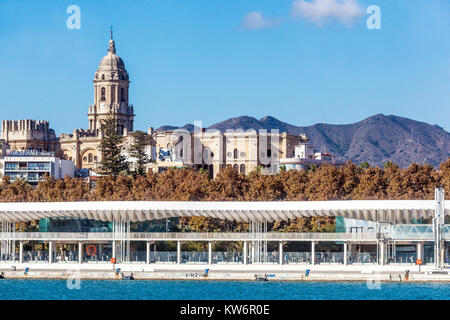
x: 350, y: 182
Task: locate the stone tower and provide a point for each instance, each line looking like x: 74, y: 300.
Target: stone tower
x: 111, y: 84
x: 29, y: 135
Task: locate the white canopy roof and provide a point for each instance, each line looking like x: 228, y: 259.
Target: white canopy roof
x: 397, y: 211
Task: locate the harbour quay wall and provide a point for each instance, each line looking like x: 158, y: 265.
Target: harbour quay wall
x: 232, y: 273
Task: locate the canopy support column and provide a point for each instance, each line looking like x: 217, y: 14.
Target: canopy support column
x: 80, y: 252
x: 209, y: 252
x: 281, y: 253
x: 419, y: 250
x: 438, y: 222
x: 345, y: 254
x: 50, y: 252
x: 148, y: 253
x: 178, y: 252
x: 113, y: 249
x: 21, y: 251
x: 313, y: 252
x: 245, y: 253
x: 258, y: 232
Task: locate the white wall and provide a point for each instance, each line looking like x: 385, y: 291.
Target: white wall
x: 64, y: 168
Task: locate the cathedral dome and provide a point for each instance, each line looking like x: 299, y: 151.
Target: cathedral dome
x: 111, y: 66
x: 111, y: 61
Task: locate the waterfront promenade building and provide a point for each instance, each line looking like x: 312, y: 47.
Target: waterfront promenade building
x: 119, y: 246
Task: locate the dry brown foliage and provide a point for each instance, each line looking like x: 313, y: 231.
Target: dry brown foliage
x: 324, y: 183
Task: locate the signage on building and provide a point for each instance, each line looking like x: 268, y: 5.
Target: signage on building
x: 28, y: 153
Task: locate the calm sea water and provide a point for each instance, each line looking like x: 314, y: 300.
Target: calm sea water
x: 214, y: 290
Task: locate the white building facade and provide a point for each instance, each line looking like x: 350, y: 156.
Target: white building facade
x: 32, y: 166
x: 307, y: 157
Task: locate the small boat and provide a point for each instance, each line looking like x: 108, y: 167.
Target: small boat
x: 2, y: 275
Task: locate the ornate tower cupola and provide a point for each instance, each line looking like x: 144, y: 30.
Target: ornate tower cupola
x: 111, y: 87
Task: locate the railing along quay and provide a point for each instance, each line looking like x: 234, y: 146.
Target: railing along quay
x: 418, y: 232
x: 186, y: 236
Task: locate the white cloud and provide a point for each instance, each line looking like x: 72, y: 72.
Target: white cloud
x: 320, y: 11
x: 255, y: 21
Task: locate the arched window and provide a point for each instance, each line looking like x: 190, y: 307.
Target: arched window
x: 269, y: 153
x: 236, y: 167
x: 181, y: 153
x: 103, y: 94
x: 122, y: 94
x: 235, y: 153
x: 103, y: 77
x: 242, y: 169
x: 95, y: 159
x: 90, y: 157
x: 84, y: 159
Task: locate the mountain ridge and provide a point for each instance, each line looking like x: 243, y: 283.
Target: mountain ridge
x: 375, y: 139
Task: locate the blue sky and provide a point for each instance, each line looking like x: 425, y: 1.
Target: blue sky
x: 211, y: 60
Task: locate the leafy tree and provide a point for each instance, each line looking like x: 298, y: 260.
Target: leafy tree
x: 325, y: 183
x: 364, y: 165
x: 351, y: 179
x: 113, y: 161
x: 144, y: 187
x: 372, y: 185
x: 183, y: 185
x: 294, y: 184
x: 445, y: 177
x: 138, y: 150
x: 387, y: 164
x: 263, y: 187
x: 17, y: 191
x: 228, y: 185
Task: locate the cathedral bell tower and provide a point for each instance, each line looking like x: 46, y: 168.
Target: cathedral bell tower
x: 111, y: 87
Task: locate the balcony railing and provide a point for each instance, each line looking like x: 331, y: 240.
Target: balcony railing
x: 185, y: 236
x: 398, y: 232
x: 27, y: 169
x: 30, y: 179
